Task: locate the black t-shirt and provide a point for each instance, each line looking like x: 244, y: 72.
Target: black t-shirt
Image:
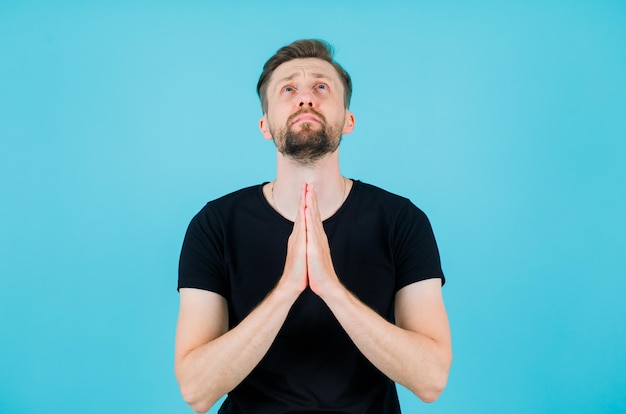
x: 380, y: 242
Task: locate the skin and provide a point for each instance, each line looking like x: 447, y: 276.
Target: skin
x: 210, y: 360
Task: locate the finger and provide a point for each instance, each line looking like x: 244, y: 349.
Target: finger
x: 302, y: 204
x: 311, y: 203
x: 296, y: 262
x: 311, y: 196
x: 303, y: 198
x: 315, y: 227
x: 301, y: 214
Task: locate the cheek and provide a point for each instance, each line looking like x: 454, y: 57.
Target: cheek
x: 281, y: 118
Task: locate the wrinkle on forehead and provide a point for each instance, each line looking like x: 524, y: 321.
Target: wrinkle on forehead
x: 307, y: 67
x: 303, y: 73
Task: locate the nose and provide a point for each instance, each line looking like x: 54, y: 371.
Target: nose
x: 306, y: 100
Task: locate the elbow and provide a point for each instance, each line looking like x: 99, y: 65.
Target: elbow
x: 198, y: 403
x: 430, y: 390
x: 199, y: 398
x: 430, y: 393
x: 200, y: 407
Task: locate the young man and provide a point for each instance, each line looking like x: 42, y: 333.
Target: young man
x: 314, y: 292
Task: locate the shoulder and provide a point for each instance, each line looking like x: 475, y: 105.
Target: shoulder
x: 228, y: 203
x: 243, y: 195
x: 385, y: 201
x: 215, y: 215
x: 372, y: 192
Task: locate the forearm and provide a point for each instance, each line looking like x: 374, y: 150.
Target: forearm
x: 208, y: 372
x: 411, y: 359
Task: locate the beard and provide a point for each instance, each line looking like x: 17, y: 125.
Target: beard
x: 308, y: 144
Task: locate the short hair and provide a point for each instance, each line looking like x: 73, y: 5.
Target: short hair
x: 300, y: 49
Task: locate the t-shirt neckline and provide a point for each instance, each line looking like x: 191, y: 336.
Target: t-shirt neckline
x: 266, y: 203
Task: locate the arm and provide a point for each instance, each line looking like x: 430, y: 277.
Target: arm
x: 210, y: 360
x: 416, y: 352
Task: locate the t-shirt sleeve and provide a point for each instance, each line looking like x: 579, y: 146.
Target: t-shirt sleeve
x: 201, y: 262
x: 416, y: 255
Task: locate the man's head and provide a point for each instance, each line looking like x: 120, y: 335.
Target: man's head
x: 300, y: 49
x: 305, y: 101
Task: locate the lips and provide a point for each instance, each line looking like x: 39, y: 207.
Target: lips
x: 306, y: 115
x: 306, y: 118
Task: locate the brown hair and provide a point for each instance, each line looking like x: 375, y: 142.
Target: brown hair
x: 307, y: 48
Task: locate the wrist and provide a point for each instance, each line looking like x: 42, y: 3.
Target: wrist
x: 287, y: 290
x: 333, y: 291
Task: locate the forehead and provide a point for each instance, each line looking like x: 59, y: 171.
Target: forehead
x: 306, y: 67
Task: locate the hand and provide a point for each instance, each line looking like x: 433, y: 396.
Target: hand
x: 320, y: 269
x: 294, y: 277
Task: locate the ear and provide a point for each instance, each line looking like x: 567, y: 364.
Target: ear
x: 348, y: 126
x: 265, y: 128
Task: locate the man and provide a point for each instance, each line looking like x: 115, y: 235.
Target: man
x: 313, y: 293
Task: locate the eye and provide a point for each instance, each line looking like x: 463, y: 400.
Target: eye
x: 288, y: 89
x: 321, y: 86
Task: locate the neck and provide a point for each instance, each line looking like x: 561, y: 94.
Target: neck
x: 330, y: 186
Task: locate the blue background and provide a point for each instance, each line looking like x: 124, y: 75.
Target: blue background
x: 504, y: 121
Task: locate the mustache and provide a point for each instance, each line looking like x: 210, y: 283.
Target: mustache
x: 304, y: 111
